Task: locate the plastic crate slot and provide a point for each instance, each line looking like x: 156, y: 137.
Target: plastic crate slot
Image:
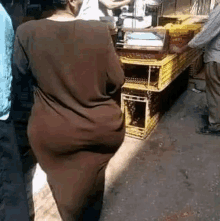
x: 162, y: 72
x: 135, y: 113
x: 141, y: 73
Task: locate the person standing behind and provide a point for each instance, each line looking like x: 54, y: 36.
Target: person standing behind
x: 21, y: 104
x: 13, y: 198
x: 209, y: 38
x: 101, y: 10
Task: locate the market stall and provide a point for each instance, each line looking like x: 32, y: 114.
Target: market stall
x: 151, y: 66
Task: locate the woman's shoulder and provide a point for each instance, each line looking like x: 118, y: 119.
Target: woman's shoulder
x: 93, y: 26
x: 26, y: 28
x: 30, y: 28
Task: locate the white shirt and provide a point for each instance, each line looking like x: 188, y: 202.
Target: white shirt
x: 90, y: 11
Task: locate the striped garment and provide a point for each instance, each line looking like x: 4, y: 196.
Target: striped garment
x: 209, y: 37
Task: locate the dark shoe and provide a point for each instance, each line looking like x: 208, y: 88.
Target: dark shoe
x: 206, y: 130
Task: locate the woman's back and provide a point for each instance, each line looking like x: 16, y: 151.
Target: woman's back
x: 77, y: 72
x: 75, y: 125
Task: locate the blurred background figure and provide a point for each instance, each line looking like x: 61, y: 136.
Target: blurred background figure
x: 22, y: 101
x: 13, y: 197
x: 209, y: 40
x: 102, y: 10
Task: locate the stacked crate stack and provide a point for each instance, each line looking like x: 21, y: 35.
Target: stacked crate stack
x: 146, y: 91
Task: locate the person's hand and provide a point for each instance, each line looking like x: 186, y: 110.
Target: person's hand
x: 177, y: 50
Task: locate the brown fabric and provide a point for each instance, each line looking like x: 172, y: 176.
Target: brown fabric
x: 76, y: 125
x: 213, y: 93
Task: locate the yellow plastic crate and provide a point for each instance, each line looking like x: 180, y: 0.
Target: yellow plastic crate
x: 142, y: 113
x: 142, y: 133
x: 164, y: 71
x: 176, y: 30
x: 143, y: 109
x: 179, y: 29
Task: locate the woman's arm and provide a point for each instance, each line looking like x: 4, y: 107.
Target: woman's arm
x: 20, y: 59
x: 111, y: 4
x: 210, y: 30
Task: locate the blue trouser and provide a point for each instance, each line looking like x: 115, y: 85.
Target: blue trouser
x: 13, y: 197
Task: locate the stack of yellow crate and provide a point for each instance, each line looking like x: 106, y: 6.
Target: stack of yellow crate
x: 145, y: 90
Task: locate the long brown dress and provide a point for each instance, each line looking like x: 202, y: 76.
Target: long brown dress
x: 76, y: 126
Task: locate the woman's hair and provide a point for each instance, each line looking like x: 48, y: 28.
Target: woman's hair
x: 50, y: 6
x: 59, y: 4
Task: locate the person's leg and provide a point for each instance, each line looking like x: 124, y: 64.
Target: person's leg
x: 28, y: 162
x: 22, y: 100
x: 213, y: 98
x: 92, y: 210
x: 213, y: 93
x: 13, y: 197
x: 29, y: 168
x: 77, y: 184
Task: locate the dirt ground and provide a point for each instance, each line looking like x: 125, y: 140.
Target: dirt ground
x: 172, y: 175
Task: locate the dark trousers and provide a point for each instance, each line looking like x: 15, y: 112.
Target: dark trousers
x: 13, y: 197
x: 28, y: 162
x: 213, y: 93
x: 22, y: 100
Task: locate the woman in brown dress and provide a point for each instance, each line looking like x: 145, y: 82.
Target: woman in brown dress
x: 76, y: 125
